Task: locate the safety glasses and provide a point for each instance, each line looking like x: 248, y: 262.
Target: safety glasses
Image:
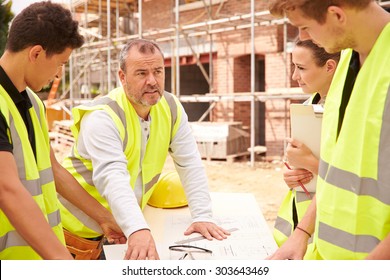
x: 190, y: 251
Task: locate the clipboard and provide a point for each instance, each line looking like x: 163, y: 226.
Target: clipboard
x: 306, y: 123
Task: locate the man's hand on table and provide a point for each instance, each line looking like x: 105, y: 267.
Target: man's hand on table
x: 141, y: 246
x: 208, y: 230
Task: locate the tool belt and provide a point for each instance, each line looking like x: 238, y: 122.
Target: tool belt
x: 82, y: 248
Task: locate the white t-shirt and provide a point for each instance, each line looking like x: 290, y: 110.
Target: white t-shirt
x: 100, y: 142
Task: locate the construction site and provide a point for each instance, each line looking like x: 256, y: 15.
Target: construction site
x: 255, y: 99
x: 228, y: 61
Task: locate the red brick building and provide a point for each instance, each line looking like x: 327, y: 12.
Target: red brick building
x: 231, y: 50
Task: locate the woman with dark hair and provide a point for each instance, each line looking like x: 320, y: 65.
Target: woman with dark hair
x: 313, y: 70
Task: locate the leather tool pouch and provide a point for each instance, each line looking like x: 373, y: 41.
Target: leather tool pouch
x: 82, y: 248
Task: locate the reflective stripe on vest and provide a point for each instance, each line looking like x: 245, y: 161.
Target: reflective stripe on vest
x: 35, y: 174
x: 165, y: 115
x: 284, y: 223
x: 12, y: 238
x: 353, y: 196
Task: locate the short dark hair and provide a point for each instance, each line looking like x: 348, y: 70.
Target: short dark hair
x: 143, y: 46
x: 319, y: 54
x: 313, y: 9
x: 47, y: 24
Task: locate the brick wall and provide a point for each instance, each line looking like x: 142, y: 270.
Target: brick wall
x: 277, y: 126
x: 231, y: 63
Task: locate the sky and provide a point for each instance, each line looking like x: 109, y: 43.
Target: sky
x: 18, y: 5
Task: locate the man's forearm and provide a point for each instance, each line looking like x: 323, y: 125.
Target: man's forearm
x: 30, y: 223
x: 24, y: 213
x: 68, y: 187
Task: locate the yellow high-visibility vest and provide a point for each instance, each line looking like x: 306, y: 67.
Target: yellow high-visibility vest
x: 284, y: 223
x: 353, y: 191
x: 166, y: 116
x: 35, y: 174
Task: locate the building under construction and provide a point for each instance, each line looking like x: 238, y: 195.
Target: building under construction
x: 228, y: 61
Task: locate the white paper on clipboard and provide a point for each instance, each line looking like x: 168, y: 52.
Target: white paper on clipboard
x: 306, y: 122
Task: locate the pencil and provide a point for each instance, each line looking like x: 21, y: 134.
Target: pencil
x: 300, y: 183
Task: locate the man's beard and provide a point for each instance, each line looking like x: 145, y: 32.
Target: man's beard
x: 145, y: 101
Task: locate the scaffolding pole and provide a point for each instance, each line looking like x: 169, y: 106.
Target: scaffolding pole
x: 177, y: 26
x: 140, y: 19
x: 253, y: 129
x: 108, y: 44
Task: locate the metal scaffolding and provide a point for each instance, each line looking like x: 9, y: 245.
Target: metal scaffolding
x: 100, y: 23
x: 108, y: 24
